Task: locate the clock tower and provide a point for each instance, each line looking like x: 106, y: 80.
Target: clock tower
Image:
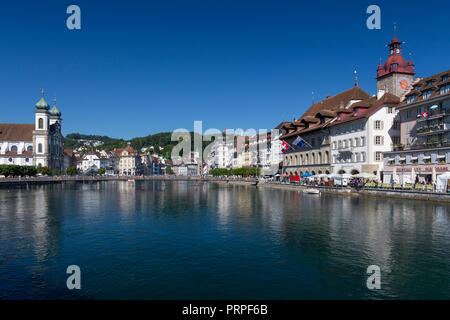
x: 396, y: 75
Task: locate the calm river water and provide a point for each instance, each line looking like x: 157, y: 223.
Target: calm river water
x: 189, y: 240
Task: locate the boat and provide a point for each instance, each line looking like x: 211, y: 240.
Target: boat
x: 311, y: 191
x: 131, y: 180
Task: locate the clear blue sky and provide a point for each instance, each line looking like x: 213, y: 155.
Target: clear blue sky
x: 141, y: 67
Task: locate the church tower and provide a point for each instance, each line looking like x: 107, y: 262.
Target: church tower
x: 41, y: 133
x: 56, y: 140
x: 396, y: 75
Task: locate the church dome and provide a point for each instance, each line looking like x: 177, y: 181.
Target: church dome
x: 55, y: 111
x: 42, y: 104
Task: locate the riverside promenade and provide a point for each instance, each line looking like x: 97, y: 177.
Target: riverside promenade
x: 251, y: 182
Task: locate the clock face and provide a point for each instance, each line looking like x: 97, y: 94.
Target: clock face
x: 403, y: 83
x: 398, y: 50
x: 392, y: 51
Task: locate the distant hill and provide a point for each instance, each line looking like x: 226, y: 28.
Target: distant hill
x: 161, y: 142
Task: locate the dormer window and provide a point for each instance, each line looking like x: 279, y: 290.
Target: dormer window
x: 355, y: 114
x: 426, y: 94
x: 445, y: 77
x: 445, y: 89
x: 411, y: 98
x: 394, y: 66
x: 429, y: 82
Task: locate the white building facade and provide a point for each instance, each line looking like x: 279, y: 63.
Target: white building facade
x: 39, y: 144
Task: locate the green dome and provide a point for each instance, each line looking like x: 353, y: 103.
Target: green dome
x: 42, y: 104
x: 55, y: 111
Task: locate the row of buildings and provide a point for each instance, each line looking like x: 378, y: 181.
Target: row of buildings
x: 404, y: 127
x: 123, y: 161
x: 262, y: 150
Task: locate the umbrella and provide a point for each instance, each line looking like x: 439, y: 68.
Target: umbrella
x: 433, y: 176
x: 394, y: 175
x: 306, y: 175
x: 413, y: 176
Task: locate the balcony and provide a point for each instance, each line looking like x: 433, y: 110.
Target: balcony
x: 432, y: 129
x: 434, y: 114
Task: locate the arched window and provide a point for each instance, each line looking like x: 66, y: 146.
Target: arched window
x: 14, y: 148
x: 319, y: 158
x: 40, y: 147
x: 30, y: 148
x: 41, y: 123
x: 313, y: 158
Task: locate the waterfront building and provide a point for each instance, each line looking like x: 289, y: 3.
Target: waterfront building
x: 314, y: 128
x: 39, y: 144
x: 361, y: 133
x: 424, y: 149
x: 129, y: 161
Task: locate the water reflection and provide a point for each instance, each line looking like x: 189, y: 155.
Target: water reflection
x: 136, y: 239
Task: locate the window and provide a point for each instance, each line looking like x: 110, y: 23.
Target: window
x: 27, y: 160
x: 340, y: 144
x: 14, y: 148
x: 408, y: 114
x: 30, y: 148
x: 378, y: 124
x: 363, y: 156
x: 445, y: 89
x: 363, y: 141
x: 378, y: 156
x: 396, y: 139
x: 379, y: 140
x: 390, y: 110
x: 445, y: 77
x: 41, y: 123
x: 396, y: 125
x: 426, y: 94
x: 40, y: 147
x: 410, y: 98
x: 334, y: 145
x: 356, y: 142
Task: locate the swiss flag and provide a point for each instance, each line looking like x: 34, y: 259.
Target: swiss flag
x: 285, y: 146
x: 425, y: 114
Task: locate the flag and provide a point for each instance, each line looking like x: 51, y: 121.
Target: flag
x: 299, y: 142
x: 425, y: 114
x: 285, y: 146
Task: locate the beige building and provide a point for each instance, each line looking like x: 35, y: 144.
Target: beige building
x: 314, y: 128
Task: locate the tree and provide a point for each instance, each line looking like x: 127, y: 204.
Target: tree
x: 44, y: 171
x: 101, y: 171
x: 71, y: 171
x: 169, y: 170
